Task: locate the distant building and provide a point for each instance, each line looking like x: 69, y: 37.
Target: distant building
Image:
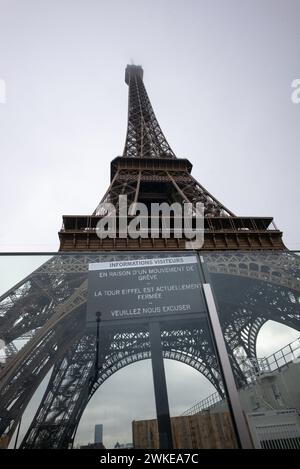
x: 99, y: 433
x: 4, y: 442
x: 93, y: 446
x: 123, y: 445
x: 199, y: 431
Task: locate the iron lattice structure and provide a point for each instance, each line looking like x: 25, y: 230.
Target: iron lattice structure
x: 47, y: 309
x: 51, y: 302
x: 149, y: 172
x: 144, y: 138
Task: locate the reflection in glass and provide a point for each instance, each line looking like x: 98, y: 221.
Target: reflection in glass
x: 260, y: 291
x: 48, y: 369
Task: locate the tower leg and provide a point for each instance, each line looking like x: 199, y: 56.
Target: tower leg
x: 160, y: 388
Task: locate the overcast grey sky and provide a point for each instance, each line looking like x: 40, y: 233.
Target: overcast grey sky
x: 219, y: 76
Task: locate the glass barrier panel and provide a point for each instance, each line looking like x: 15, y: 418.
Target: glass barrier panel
x: 258, y: 300
x: 108, y: 350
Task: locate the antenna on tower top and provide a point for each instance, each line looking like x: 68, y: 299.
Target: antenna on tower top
x: 131, y: 61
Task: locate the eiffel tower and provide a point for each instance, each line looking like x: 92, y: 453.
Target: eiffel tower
x: 148, y: 171
x: 48, y: 307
